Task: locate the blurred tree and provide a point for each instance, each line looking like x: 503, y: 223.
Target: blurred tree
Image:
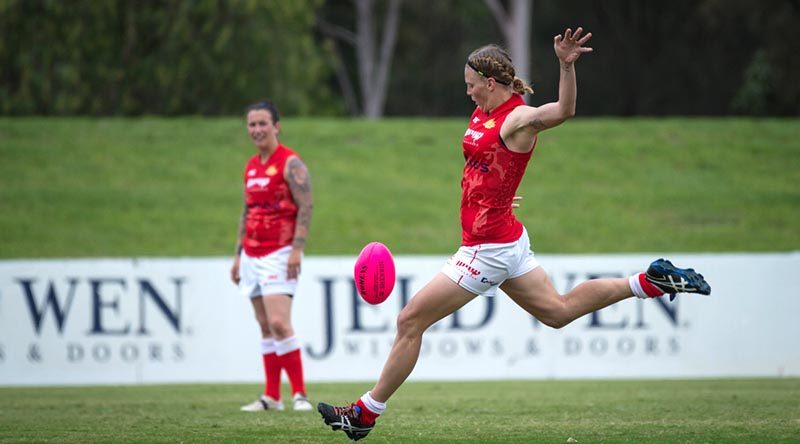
x: 437, y: 37
x: 758, y: 88
x: 373, y: 57
x: 766, y: 36
x: 119, y: 57
x: 682, y: 57
x: 515, y: 23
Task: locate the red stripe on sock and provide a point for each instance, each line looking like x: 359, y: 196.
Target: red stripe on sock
x: 651, y: 290
x: 272, y: 375
x: 293, y: 364
x: 366, y: 416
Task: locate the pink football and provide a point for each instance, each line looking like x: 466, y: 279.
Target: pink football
x: 374, y: 273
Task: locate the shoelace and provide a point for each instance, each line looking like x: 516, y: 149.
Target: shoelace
x: 349, y: 411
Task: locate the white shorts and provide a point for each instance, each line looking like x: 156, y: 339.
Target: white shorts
x: 480, y: 269
x: 265, y: 275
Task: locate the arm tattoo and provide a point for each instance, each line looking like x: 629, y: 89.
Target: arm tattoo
x: 300, y: 184
x: 566, y: 67
x: 537, y: 124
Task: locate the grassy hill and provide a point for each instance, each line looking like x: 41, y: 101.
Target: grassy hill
x: 79, y: 187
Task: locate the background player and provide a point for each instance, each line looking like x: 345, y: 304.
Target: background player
x: 269, y: 252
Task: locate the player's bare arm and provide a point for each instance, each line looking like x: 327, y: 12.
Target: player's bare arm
x: 300, y: 183
x: 238, y: 249
x: 525, y: 122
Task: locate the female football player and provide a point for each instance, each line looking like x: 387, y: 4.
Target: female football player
x: 269, y: 251
x: 495, y: 250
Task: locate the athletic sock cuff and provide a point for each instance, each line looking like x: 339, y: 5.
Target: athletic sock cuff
x: 287, y: 345
x: 636, y: 287
x: 643, y: 288
x: 267, y: 346
x: 373, y: 405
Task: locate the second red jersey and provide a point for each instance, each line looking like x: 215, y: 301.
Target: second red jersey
x: 492, y: 174
x: 271, y: 211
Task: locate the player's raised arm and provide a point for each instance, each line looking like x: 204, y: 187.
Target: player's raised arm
x: 531, y: 120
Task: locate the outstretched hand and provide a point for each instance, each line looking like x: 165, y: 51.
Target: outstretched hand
x: 570, y: 46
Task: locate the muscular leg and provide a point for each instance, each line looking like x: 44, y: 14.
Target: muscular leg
x: 278, y: 308
x: 439, y: 298
x: 272, y: 369
x: 260, y: 313
x: 534, y: 292
x: 289, y: 356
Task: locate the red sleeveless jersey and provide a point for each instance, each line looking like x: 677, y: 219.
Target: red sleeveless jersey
x: 271, y: 211
x: 492, y: 174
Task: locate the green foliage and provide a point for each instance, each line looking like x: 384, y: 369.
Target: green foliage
x: 212, y: 57
x: 171, y: 187
x: 726, y: 410
x: 758, y: 87
x: 121, y: 57
x: 682, y: 57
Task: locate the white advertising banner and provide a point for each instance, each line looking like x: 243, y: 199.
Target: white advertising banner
x: 165, y: 320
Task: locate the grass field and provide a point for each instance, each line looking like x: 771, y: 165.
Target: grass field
x: 702, y: 411
x: 75, y: 187
x: 171, y: 187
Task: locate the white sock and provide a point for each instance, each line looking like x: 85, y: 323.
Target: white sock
x: 267, y: 346
x: 636, y: 287
x: 373, y: 405
x: 287, y: 345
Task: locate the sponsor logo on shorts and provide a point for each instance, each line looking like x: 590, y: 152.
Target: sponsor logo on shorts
x: 485, y: 280
x: 473, y: 271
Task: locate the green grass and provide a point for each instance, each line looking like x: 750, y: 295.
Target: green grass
x: 79, y: 187
x: 712, y: 411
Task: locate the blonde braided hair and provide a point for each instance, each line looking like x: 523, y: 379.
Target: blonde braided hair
x: 494, y: 61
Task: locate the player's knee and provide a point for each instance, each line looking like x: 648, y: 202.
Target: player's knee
x: 263, y: 325
x: 280, y: 328
x: 409, y: 322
